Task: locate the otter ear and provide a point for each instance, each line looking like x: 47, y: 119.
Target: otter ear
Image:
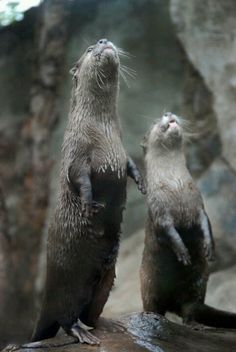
x: 73, y: 70
x: 144, y: 143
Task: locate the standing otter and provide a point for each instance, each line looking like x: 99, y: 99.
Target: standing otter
x: 84, y: 235
x: 178, y: 242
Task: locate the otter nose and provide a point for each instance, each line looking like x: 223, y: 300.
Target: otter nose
x: 103, y: 41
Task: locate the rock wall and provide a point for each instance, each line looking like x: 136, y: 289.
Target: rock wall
x: 207, y: 31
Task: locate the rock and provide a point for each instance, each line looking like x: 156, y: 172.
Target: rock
x: 221, y: 290
x: 207, y: 31
x: 201, y: 123
x: 140, y: 332
x: 225, y: 254
x: 218, y: 185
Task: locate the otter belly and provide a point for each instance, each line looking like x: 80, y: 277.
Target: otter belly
x: 109, y: 189
x: 81, y: 255
x: 166, y: 283
x: 73, y: 279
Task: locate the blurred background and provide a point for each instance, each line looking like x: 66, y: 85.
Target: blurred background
x: 184, y: 55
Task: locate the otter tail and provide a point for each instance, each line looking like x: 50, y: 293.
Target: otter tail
x: 210, y: 316
x: 45, y: 329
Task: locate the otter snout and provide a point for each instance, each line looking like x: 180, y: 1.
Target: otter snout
x: 170, y: 118
x: 104, y: 44
x: 102, y: 41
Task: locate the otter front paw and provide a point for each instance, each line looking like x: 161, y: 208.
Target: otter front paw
x: 91, y: 207
x: 209, y: 251
x: 134, y: 173
x: 183, y: 255
x: 140, y: 183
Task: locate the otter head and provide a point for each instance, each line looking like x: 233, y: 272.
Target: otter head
x: 98, y: 66
x: 165, y: 134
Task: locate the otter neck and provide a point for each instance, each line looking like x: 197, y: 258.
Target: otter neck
x: 166, y: 160
x: 99, y: 102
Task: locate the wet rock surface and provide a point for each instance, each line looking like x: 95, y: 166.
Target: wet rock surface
x: 142, y: 332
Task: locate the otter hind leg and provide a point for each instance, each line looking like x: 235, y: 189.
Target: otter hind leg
x: 92, y: 312
x: 45, y: 330
x: 154, y: 296
x: 158, y: 306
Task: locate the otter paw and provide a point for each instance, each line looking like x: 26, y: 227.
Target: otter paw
x: 209, y: 252
x: 90, y: 208
x: 118, y: 326
x: 141, y: 185
x: 83, y: 335
x: 184, y: 257
x: 96, y: 206
x: 86, y: 208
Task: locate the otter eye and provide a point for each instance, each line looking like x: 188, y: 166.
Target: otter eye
x: 89, y: 49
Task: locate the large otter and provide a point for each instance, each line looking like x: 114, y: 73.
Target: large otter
x: 178, y: 242
x: 84, y: 235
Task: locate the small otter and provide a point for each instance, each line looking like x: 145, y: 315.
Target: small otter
x: 84, y: 234
x: 178, y: 242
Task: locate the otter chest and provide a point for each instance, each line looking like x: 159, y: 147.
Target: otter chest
x: 109, y: 157
x: 177, y: 197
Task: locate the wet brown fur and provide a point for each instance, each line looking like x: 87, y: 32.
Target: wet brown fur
x: 84, y: 234
x: 178, y: 242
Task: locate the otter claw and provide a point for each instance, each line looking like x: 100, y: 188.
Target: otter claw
x: 184, y: 258
x: 97, y: 206
x: 90, y: 208
x: 141, y: 185
x: 142, y: 188
x: 83, y: 335
x: 209, y: 252
x: 86, y: 209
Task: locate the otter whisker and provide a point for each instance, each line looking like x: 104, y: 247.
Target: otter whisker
x: 97, y: 77
x: 129, y: 69
x: 99, y: 84
x: 185, y: 122
x: 102, y: 72
x: 124, y: 53
x: 100, y: 78
x: 164, y: 111
x: 190, y: 137
x: 85, y: 41
x: 124, y: 78
x: 129, y: 72
x: 146, y: 117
